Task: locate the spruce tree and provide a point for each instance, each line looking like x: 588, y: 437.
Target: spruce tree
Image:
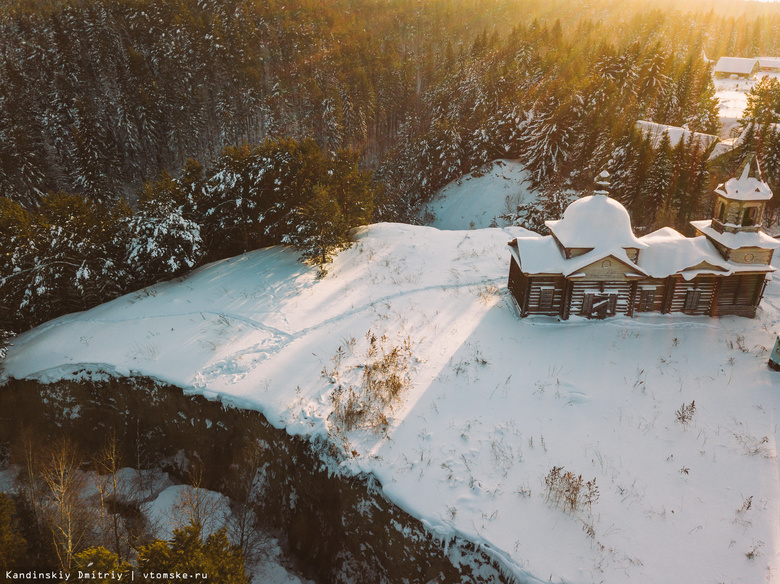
x: 188, y: 552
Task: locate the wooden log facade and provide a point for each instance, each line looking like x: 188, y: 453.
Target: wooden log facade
x: 555, y: 295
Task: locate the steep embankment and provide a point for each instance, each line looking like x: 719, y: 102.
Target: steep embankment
x: 339, y: 529
x: 483, y: 407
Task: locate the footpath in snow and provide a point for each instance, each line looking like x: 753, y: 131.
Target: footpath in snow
x: 492, y: 405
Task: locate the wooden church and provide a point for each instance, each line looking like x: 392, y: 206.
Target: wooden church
x: 593, y: 265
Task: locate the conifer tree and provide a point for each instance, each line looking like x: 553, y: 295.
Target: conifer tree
x: 13, y: 546
x: 656, y: 189
x: 188, y: 552
x: 101, y: 562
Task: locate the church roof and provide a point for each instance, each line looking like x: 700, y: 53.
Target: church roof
x: 669, y: 252
x: 537, y: 254
x: 595, y: 221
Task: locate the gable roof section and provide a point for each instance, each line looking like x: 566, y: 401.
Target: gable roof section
x: 541, y: 255
x: 656, y: 132
x: 738, y: 65
x: 576, y: 266
x: 537, y: 254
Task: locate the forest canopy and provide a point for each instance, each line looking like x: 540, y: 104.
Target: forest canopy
x: 140, y: 138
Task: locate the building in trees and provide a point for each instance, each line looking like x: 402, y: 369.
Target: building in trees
x: 739, y: 66
x: 769, y: 63
x: 593, y: 265
x: 655, y: 133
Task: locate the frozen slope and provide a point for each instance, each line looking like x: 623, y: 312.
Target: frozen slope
x: 494, y: 402
x: 477, y: 200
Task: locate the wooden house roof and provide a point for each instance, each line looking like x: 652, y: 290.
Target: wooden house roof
x: 656, y: 132
x: 738, y: 65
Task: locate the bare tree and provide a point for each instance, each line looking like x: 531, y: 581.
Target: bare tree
x: 199, y: 505
x: 67, y: 514
x: 107, y: 464
x: 245, y: 490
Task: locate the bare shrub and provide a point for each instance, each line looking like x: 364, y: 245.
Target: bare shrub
x: 685, y: 414
x: 569, y: 492
x: 384, y: 379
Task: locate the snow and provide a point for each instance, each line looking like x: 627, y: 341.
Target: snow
x: 769, y: 62
x: 542, y: 255
x: 745, y: 188
x: 595, y: 221
x: 536, y: 254
x: 670, y: 252
x: 170, y: 511
x: 494, y: 402
x: 736, y: 240
x: 175, y: 506
x: 477, y: 200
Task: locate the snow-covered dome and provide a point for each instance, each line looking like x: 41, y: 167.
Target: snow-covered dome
x: 595, y: 221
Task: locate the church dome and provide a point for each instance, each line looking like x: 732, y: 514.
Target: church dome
x: 595, y: 221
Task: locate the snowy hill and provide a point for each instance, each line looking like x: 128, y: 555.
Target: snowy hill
x: 477, y: 200
x: 489, y: 404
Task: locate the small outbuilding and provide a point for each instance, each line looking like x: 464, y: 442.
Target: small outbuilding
x: 769, y: 64
x: 593, y: 265
x: 739, y: 66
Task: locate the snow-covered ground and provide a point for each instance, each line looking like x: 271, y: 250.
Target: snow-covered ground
x: 494, y: 402
x: 477, y: 200
x: 732, y: 94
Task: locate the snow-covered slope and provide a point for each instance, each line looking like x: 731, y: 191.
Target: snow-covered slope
x: 494, y: 402
x: 477, y: 200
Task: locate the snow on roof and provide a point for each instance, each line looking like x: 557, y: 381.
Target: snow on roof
x: 670, y: 252
x: 595, y: 221
x: 541, y: 255
x: 740, y: 139
x: 736, y: 240
x: 735, y: 65
x: 656, y: 132
x: 769, y: 62
x: 537, y: 254
x: 665, y: 252
x: 745, y: 188
x: 576, y: 264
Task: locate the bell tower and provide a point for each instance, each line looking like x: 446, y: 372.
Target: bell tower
x: 739, y: 204
x: 735, y: 228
